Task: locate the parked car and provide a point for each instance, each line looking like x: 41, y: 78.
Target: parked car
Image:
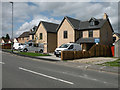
x: 67, y: 47
x: 31, y: 46
x: 16, y: 46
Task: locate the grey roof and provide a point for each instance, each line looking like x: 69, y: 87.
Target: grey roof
x: 86, y: 40
x: 34, y: 30
x: 24, y: 34
x: 74, y: 22
x: 50, y: 27
x: 86, y: 24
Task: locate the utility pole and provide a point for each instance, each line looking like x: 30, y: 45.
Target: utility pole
x: 12, y: 29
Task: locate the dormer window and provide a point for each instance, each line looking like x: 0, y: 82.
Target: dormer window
x: 92, y: 23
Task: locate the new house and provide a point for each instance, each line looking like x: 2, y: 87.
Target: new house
x: 116, y: 37
x: 24, y: 37
x: 46, y: 34
x: 32, y: 33
x: 86, y: 33
x: 4, y: 41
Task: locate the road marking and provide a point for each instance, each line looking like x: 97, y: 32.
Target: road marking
x: 51, y: 77
x: 2, y: 63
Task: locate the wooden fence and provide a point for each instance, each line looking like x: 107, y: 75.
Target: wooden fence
x: 5, y: 46
x: 95, y: 51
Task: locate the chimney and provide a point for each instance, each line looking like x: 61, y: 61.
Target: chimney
x: 105, y: 16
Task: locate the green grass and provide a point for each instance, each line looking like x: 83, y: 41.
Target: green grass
x: 33, y: 54
x: 113, y: 63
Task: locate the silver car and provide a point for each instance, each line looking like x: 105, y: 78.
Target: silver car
x: 30, y: 47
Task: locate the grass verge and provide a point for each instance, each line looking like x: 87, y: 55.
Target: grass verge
x: 113, y: 63
x: 33, y: 54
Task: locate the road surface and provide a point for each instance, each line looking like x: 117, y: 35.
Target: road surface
x: 24, y: 72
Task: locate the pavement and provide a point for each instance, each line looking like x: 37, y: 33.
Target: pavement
x: 25, y: 72
x: 85, y: 63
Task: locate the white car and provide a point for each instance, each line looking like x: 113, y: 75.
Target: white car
x: 16, y: 46
x: 67, y: 47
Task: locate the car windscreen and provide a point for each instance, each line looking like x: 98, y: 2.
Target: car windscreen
x: 64, y: 46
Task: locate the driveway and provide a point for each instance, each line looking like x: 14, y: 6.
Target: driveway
x: 94, y: 60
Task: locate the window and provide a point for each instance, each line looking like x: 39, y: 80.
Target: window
x: 32, y: 37
x: 80, y: 34
x: 64, y: 46
x: 90, y: 33
x: 65, y: 34
x: 71, y: 47
x: 41, y: 36
x: 92, y: 23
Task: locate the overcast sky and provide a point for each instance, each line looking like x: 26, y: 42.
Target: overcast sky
x: 29, y: 14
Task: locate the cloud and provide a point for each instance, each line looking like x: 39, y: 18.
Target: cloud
x: 29, y: 14
x: 28, y: 25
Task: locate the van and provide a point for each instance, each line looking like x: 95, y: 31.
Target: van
x: 67, y: 47
x: 32, y: 47
x: 16, y: 46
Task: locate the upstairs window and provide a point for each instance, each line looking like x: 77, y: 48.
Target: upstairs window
x: 65, y: 34
x: 92, y: 23
x: 90, y: 33
x: 41, y: 36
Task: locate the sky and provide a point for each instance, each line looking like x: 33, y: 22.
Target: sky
x: 29, y: 14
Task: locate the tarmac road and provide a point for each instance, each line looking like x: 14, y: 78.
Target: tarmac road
x: 24, y: 72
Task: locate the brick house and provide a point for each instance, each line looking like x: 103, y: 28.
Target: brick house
x: 4, y: 41
x: 46, y: 34
x: 32, y: 33
x: 116, y: 37
x: 85, y: 32
x: 24, y: 37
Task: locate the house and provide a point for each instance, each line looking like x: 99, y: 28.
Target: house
x: 4, y: 41
x: 117, y: 48
x: 86, y: 33
x: 46, y: 34
x: 32, y: 33
x: 15, y: 40
x: 116, y: 37
x: 24, y: 37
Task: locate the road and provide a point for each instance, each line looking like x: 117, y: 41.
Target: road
x: 23, y: 72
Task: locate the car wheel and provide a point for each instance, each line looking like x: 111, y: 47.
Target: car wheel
x: 57, y: 55
x: 41, y: 51
x: 25, y: 50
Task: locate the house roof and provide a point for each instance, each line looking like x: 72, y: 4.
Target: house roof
x: 5, y: 40
x: 24, y: 34
x: 34, y: 30
x: 73, y: 22
x: 85, y: 25
x: 49, y: 27
x: 86, y: 40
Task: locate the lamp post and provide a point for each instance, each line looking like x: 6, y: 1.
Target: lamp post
x: 12, y: 28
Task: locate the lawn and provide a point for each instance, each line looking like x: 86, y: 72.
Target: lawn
x: 113, y: 63
x: 33, y: 54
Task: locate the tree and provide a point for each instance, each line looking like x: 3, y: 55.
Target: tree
x: 7, y: 36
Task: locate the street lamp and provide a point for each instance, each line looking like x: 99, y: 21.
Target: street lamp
x: 12, y: 28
